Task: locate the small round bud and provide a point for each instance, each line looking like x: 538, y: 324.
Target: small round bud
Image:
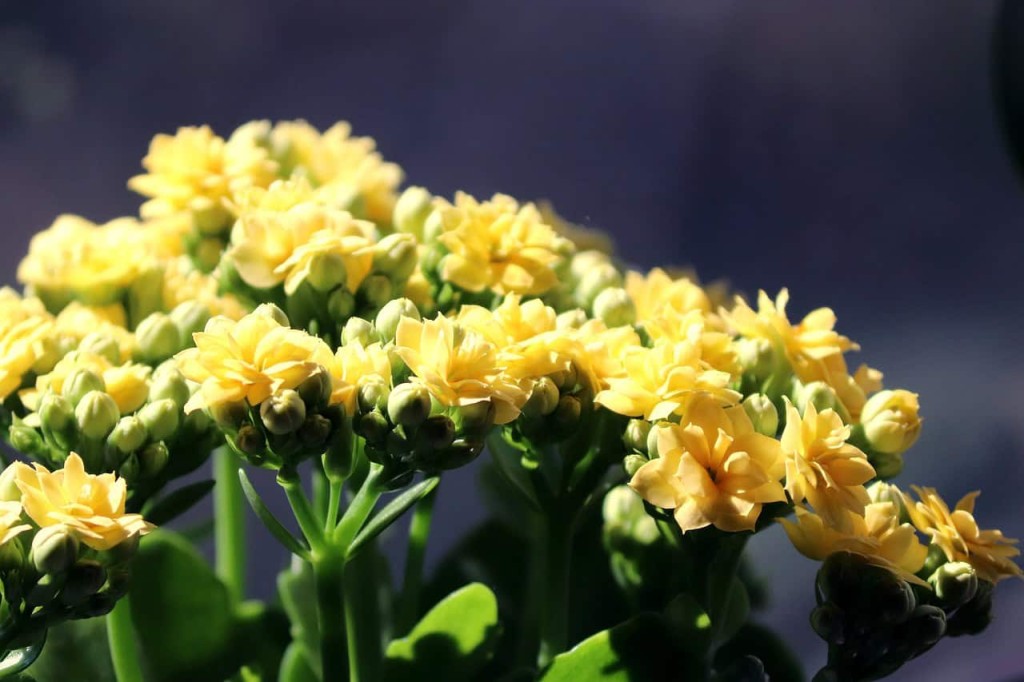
x: 636, y: 434
x: 596, y: 280
x: 891, y: 421
x: 12, y: 555
x: 189, y: 317
x: 433, y: 227
x: 358, y: 330
x: 756, y: 357
x: 460, y: 453
x: 84, y: 579
x: 341, y: 304
x: 543, y: 398
x: 584, y: 262
x: 373, y: 395
x: 103, y: 345
x: 762, y: 413
x: 206, y: 253
x: 829, y: 624
x: 614, y: 307
x: 954, y: 583
x: 886, y: 466
x: 314, y: 431
x: 283, y: 412
x: 389, y: 316
x: 130, y: 467
x: 571, y: 319
x: 96, y: 414
x: 652, y: 441
x: 566, y: 416
x: 54, y: 549
x: 337, y: 458
x: 437, y: 432
x: 79, y: 382
x: 893, y: 598
x: 927, y: 625
x: 376, y: 290
x: 566, y: 379
x: 250, y: 440
x: 57, y: 417
x: 409, y: 405
x: 632, y: 463
x: 273, y: 312
x: 373, y: 426
x: 816, y: 393
x: 395, y: 256
x: 25, y: 439
x: 161, y: 418
x: 316, y: 390
x: 158, y: 338
x: 229, y: 415
x: 411, y: 211
x: 169, y: 384
x: 129, y: 435
x: 973, y: 617
x: 153, y: 459
x: 475, y: 418
x: 326, y: 271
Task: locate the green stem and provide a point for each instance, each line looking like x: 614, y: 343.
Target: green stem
x: 359, y: 510
x: 362, y: 617
x: 304, y: 515
x: 320, y: 491
x: 121, y: 640
x: 419, y: 532
x: 333, y: 503
x: 554, y: 598
x: 229, y: 522
x: 328, y: 570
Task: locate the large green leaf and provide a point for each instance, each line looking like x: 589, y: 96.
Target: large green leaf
x: 452, y: 642
x: 188, y: 626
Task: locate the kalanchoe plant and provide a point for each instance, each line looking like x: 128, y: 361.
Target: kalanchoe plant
x: 280, y: 306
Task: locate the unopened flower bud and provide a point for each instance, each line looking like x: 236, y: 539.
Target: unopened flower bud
x: 161, y: 418
x: 596, y: 280
x: 129, y: 435
x: 54, y: 549
x: 358, y: 330
x: 25, y: 439
x: 373, y: 426
x: 337, y: 459
x: 57, y: 417
x: 974, y: 616
x: 206, y: 253
x: 189, y: 317
x: 395, y: 256
x: 250, y: 440
x: 283, y: 412
x: 566, y: 379
x: 326, y: 271
x: 12, y: 555
x: 460, y: 453
x: 475, y: 418
x: 153, y: 459
x: 886, y: 465
x: 566, y: 416
x: 157, y: 338
x: 928, y: 625
x: 273, y: 312
x: 409, y: 405
x: 829, y: 624
x: 762, y: 413
x: 376, y: 290
x: 891, y: 421
x: 543, y: 398
x: 373, y: 395
x: 44, y: 591
x: 652, y: 442
x: 96, y: 414
x: 636, y: 434
x: 571, y: 319
x: 168, y: 383
x: 391, y: 314
x: 316, y: 390
x: 756, y: 357
x: 433, y: 226
x: 583, y: 262
x: 411, y: 211
x: 894, y: 599
x: 632, y: 463
x: 79, y: 382
x: 9, y: 490
x: 229, y: 415
x: 437, y: 432
x: 103, y: 345
x: 816, y: 393
x: 314, y: 431
x: 130, y: 468
x: 84, y: 579
x: 341, y: 304
x: 954, y: 583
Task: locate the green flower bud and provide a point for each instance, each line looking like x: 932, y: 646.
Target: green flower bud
x: 130, y: 468
x: 460, y: 453
x: 816, y: 393
x: 571, y: 319
x: 395, y: 256
x: 614, y: 307
x: 79, y: 382
x: 326, y: 271
x: 973, y: 617
x: 476, y: 418
x: 9, y: 490
x: 57, y: 417
x: 316, y: 390
x: 167, y: 383
x: 566, y: 379
x: 409, y: 405
x: 652, y: 442
x: 211, y: 220
x: 153, y: 459
x: 189, y: 317
x: 891, y: 421
x: 433, y: 227
x: 543, y: 398
x: 954, y: 583
x: 96, y: 414
x: 273, y: 312
x: 103, y: 345
x: 161, y: 418
x: 54, y: 549
x: 829, y: 623
x: 229, y: 415
x: 206, y: 253
x: 927, y: 625
x: 337, y: 458
x: 283, y: 412
x: 44, y: 591
x: 12, y: 557
x: 397, y: 443
x: 636, y: 435
x: 879, y: 491
x: 411, y: 211
x: 314, y: 432
x: 436, y: 433
x: 373, y: 395
x: 376, y: 290
x: 566, y: 417
x: 129, y: 435
x: 935, y: 558
x: 158, y: 338
x: 584, y: 262
x: 632, y: 463
x: 886, y: 466
x: 341, y: 304
x: 250, y: 440
x: 762, y: 413
x: 84, y: 580
x: 391, y: 314
x: 373, y: 426
x: 893, y: 598
x: 594, y: 281
x: 25, y: 439
x: 756, y: 357
x: 839, y: 579
x: 358, y: 330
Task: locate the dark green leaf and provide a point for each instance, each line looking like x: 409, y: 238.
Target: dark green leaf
x: 452, y: 642
x: 290, y: 542
x: 386, y: 516
x: 165, y: 509
x: 295, y: 666
x: 734, y: 613
x: 297, y: 591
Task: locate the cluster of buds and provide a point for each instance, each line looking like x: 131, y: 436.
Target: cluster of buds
x: 635, y: 548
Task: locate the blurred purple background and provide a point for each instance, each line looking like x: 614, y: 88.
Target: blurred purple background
x: 849, y: 151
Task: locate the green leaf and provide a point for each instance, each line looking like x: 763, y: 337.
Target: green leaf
x: 75, y: 650
x: 734, y: 613
x: 295, y: 666
x: 297, y: 591
x: 386, y: 516
x: 290, y: 542
x: 165, y: 509
x: 639, y: 650
x: 16, y: 660
x: 187, y: 625
x: 452, y: 642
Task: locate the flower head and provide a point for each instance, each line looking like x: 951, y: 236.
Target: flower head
x: 11, y: 524
x: 712, y: 469
x: 127, y: 384
x: 90, y: 507
x: 354, y: 366
x: 20, y: 348
x: 891, y: 421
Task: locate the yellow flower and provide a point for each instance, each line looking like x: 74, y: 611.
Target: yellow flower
x: 717, y: 347
x: 182, y: 282
x: 11, y: 525
x: 604, y: 350
x: 127, y: 384
x: 957, y: 534
x: 891, y: 421
x: 458, y: 366
x: 498, y: 245
x: 664, y: 380
x: 273, y: 247
x: 657, y: 294
x: 195, y: 170
x: 354, y: 366
x: 78, y: 259
x: 584, y: 238
x: 249, y: 360
x: 713, y: 469
x: 878, y: 536
x: 90, y: 507
x: 822, y: 468
x: 24, y: 327
x: 77, y: 320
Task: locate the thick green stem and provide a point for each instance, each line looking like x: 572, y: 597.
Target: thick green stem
x: 333, y: 503
x: 320, y: 491
x: 304, y: 515
x: 359, y: 510
x: 419, y: 532
x: 327, y: 572
x: 229, y: 522
x: 554, y: 597
x: 362, y: 617
x: 121, y: 640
